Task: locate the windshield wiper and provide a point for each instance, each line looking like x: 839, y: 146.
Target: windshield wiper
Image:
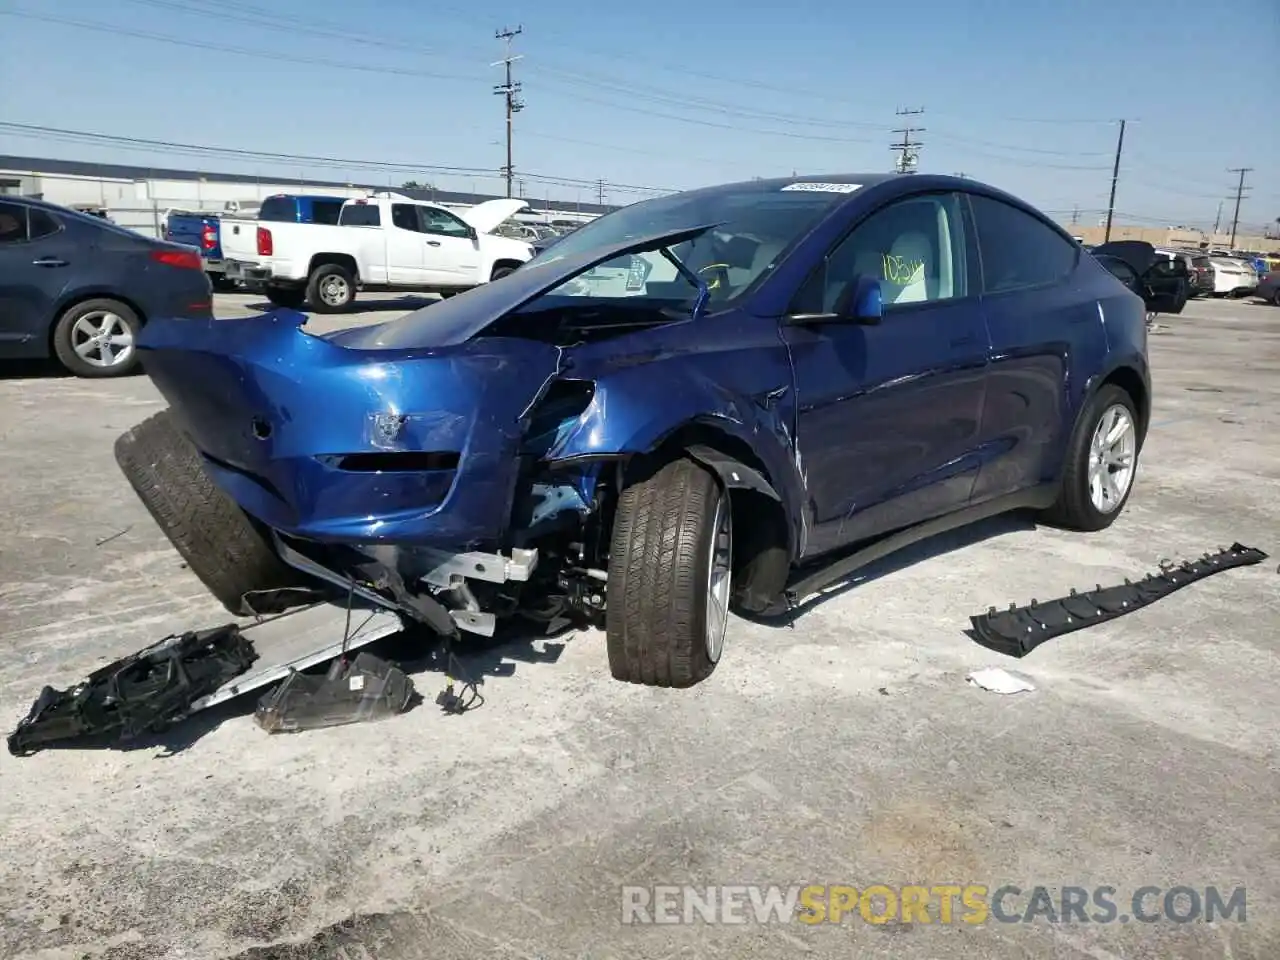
x: 704, y: 292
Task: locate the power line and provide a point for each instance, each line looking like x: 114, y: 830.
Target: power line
x: 236, y: 153
x: 1115, y: 177
x: 510, y: 92
x: 1235, y: 220
x: 908, y: 149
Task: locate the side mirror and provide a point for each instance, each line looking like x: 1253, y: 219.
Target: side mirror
x: 861, y: 301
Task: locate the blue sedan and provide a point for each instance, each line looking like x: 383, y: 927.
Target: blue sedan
x: 722, y: 399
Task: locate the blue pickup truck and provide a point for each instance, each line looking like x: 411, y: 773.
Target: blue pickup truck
x: 297, y: 208
x: 199, y: 229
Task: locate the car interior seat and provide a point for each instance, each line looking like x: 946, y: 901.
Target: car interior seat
x: 909, y: 274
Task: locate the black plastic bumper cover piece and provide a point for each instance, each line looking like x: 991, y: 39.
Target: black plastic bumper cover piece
x: 140, y: 693
x: 1019, y: 630
x: 366, y: 688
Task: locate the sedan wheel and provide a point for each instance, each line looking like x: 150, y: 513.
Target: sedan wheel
x: 1112, y: 458
x: 98, y: 338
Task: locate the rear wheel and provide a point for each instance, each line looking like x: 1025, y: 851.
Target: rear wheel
x: 1101, y: 463
x: 670, y: 571
x: 219, y: 542
x: 98, y: 338
x: 331, y: 288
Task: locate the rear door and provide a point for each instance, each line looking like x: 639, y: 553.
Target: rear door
x: 1046, y: 337
x: 36, y: 262
x: 888, y: 414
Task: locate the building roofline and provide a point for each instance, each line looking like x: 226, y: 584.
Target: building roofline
x: 35, y: 166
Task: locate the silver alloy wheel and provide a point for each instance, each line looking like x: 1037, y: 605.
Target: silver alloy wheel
x: 102, y: 339
x: 719, y: 577
x: 335, y: 291
x: 1112, y: 458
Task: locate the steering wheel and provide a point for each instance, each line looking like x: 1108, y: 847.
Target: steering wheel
x: 720, y: 278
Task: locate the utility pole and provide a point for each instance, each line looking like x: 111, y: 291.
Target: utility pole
x: 908, y: 149
x: 1075, y: 214
x: 1235, y: 219
x: 510, y: 92
x: 1217, y: 221
x: 600, y: 192
x: 1115, y: 176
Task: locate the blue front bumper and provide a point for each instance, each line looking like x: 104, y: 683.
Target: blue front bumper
x: 353, y: 446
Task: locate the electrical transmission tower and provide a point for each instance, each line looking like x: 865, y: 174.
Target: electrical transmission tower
x: 908, y: 149
x: 510, y: 92
x: 1235, y: 219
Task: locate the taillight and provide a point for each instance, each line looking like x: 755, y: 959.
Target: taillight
x: 184, y: 259
x: 265, y: 246
x: 208, y: 237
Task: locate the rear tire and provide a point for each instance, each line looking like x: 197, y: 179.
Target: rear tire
x: 1087, y: 467
x: 668, y: 566
x: 331, y: 289
x: 214, y: 536
x: 291, y: 298
x: 98, y: 338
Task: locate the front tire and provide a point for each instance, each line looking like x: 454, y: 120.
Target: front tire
x: 670, y: 566
x: 98, y: 338
x: 214, y: 536
x: 331, y: 289
x: 1101, y: 463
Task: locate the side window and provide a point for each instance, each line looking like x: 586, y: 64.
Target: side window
x: 41, y: 224
x: 13, y: 223
x: 914, y: 247
x: 435, y: 220
x: 405, y: 216
x: 360, y: 215
x: 1017, y: 249
x: 326, y: 211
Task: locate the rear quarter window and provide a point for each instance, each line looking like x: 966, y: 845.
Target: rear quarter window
x: 1019, y: 250
x: 360, y: 215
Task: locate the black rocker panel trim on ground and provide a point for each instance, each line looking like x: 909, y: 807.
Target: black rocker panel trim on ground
x: 1019, y: 630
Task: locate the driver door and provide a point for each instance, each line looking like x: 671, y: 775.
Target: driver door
x: 888, y: 414
x: 452, y: 248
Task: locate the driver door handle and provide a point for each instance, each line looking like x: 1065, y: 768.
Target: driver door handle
x: 433, y: 243
x: 50, y: 262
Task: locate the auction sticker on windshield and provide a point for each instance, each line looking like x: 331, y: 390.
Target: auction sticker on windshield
x: 824, y: 187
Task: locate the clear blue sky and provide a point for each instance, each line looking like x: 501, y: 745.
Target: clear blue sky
x: 1020, y: 93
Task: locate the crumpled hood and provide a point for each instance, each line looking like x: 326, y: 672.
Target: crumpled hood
x: 454, y: 321
x: 317, y: 441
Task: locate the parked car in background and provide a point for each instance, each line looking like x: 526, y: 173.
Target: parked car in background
x: 1232, y: 277
x: 81, y: 289
x: 301, y: 208
x: 792, y: 378
x: 385, y: 242
x: 1269, y: 288
x: 200, y: 229
x: 1162, y: 280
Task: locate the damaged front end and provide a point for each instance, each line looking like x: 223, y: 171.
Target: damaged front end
x: 407, y: 462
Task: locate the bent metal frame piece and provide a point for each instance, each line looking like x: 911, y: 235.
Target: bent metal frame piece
x: 302, y: 638
x: 1019, y: 630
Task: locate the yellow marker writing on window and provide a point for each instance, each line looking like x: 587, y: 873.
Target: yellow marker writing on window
x: 902, y: 270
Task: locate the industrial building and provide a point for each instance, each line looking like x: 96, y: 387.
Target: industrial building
x: 140, y: 198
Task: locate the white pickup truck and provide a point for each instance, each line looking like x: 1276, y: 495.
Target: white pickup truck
x: 383, y: 242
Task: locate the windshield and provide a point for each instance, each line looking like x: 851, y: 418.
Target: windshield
x: 755, y: 225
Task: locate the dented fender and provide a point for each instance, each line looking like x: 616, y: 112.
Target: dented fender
x: 626, y: 418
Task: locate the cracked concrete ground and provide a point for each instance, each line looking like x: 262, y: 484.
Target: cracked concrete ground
x: 846, y: 749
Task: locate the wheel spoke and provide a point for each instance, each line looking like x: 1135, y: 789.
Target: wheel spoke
x: 85, y: 327
x: 85, y: 348
x: 108, y: 355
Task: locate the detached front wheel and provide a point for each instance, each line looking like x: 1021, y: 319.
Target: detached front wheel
x: 670, y: 572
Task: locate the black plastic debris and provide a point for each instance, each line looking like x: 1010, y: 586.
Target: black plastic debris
x: 366, y: 688
x: 140, y: 693
x: 1019, y: 630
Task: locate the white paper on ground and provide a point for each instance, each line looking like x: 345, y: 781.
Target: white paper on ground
x: 999, y: 681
